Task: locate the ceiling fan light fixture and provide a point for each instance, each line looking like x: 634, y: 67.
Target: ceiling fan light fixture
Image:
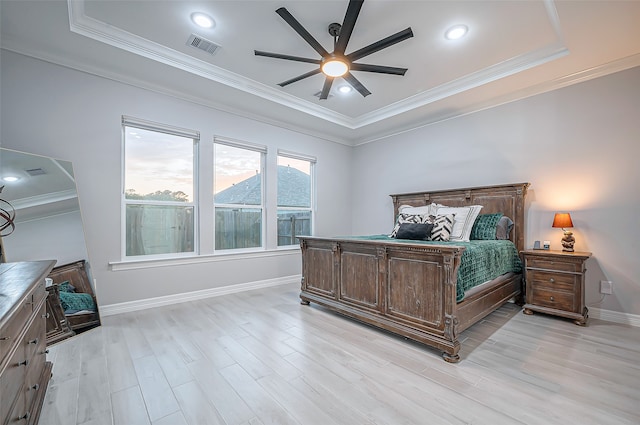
x: 344, y: 89
x: 202, y: 20
x: 456, y: 32
x: 335, y: 68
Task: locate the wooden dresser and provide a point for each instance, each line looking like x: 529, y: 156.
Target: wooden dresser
x: 24, y: 371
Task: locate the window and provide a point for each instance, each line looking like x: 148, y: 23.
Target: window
x: 295, y: 194
x: 238, y: 194
x: 159, y: 188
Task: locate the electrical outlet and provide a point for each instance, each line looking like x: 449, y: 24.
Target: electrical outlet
x: 606, y: 287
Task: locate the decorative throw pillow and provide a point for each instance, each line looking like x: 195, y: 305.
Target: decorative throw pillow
x: 442, y: 226
x: 407, y: 218
x: 503, y: 229
x: 464, y: 219
x: 414, y: 231
x: 73, y: 302
x: 485, y: 227
x: 66, y: 287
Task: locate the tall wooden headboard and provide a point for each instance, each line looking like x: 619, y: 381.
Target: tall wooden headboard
x: 507, y: 199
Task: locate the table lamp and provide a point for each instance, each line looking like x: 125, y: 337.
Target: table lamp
x: 563, y: 221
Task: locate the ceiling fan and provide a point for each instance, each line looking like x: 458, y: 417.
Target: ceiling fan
x: 337, y: 63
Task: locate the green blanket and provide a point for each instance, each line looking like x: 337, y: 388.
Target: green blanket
x: 481, y: 260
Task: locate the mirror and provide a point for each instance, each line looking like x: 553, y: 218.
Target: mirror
x: 48, y: 226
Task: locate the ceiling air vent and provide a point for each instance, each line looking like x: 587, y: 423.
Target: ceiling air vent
x: 202, y: 44
x: 35, y: 172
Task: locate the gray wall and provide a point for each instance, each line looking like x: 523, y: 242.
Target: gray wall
x: 58, y: 237
x: 55, y: 111
x: 577, y: 146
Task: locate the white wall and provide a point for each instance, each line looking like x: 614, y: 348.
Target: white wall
x: 578, y: 147
x: 57, y: 237
x: 55, y: 111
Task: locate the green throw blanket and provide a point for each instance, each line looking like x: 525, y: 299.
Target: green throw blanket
x: 481, y: 261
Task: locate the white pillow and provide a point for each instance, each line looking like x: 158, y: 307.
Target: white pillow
x: 464, y: 217
x: 425, y: 210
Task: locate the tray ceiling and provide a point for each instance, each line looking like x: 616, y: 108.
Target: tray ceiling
x: 513, y: 49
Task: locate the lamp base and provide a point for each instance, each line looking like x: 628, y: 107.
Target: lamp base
x: 567, y: 241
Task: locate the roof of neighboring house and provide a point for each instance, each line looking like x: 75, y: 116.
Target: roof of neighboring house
x: 294, y: 189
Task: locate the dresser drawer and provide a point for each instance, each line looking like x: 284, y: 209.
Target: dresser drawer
x: 9, y: 334
x: 12, y: 379
x: 36, y: 346
x: 35, y: 334
x: 559, y: 265
x: 551, y: 280
x: 39, y: 293
x: 19, y: 415
x: 552, y: 299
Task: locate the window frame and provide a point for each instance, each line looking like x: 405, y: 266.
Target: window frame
x: 262, y: 150
x: 312, y: 165
x: 194, y: 135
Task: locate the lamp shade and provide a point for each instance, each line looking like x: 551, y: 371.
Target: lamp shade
x: 562, y: 220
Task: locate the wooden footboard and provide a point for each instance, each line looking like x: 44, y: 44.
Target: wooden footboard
x: 410, y: 289
x: 404, y: 288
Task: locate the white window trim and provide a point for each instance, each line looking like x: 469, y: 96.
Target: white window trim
x: 241, y: 144
x: 313, y: 160
x: 159, y: 127
x: 142, y: 124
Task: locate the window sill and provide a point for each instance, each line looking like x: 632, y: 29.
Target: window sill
x: 197, y: 259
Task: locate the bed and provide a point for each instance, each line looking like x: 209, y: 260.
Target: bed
x: 410, y: 288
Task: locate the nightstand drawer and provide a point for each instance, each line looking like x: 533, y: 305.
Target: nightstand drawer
x: 550, y: 280
x: 558, y: 265
x: 552, y: 299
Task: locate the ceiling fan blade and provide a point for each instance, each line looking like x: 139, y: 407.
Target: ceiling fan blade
x: 299, y: 77
x: 353, y: 10
x: 356, y: 84
x: 324, y: 94
x: 378, y: 68
x: 382, y: 44
x: 287, y: 57
x: 288, y: 17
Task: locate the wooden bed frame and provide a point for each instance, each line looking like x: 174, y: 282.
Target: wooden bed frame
x: 410, y: 289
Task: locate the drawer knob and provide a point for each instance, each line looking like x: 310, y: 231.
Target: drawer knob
x: 34, y: 341
x: 23, y: 363
x: 552, y: 280
x: 5, y: 338
x: 552, y: 299
x: 45, y: 316
x: 26, y: 416
x: 36, y: 387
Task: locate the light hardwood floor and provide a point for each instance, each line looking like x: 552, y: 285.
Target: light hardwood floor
x: 259, y: 357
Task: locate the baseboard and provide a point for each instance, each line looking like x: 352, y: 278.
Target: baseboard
x: 111, y: 309
x: 614, y: 316
x: 125, y: 307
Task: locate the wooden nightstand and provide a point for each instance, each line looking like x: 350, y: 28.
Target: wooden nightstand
x: 555, y: 283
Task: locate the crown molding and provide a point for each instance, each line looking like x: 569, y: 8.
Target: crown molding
x: 97, y: 30
x: 44, y: 199
x: 82, y: 24
x: 547, y: 86
x: 35, y: 53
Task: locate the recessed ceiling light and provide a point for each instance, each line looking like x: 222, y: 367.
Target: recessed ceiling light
x: 11, y: 178
x: 344, y: 89
x: 202, y: 20
x: 456, y: 32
